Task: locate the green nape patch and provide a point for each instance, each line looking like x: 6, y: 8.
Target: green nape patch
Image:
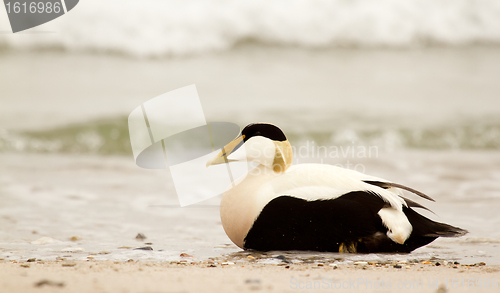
x: 102, y: 136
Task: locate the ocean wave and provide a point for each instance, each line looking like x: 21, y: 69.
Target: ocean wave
x: 105, y: 136
x: 161, y: 28
x: 111, y: 137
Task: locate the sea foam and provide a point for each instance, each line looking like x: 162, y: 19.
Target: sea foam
x: 152, y: 28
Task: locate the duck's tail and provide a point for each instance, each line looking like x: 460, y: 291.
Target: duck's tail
x: 425, y: 227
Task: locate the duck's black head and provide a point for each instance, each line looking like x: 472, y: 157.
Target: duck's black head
x: 258, y: 138
x: 263, y: 129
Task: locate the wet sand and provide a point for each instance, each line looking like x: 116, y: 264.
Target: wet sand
x: 74, y: 219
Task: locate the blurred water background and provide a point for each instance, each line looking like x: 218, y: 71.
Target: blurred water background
x: 411, y: 74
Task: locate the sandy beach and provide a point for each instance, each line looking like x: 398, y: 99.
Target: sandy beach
x: 244, y: 276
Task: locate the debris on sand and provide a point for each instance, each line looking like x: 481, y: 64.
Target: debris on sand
x: 72, y: 249
x: 140, y: 236
x: 75, y: 238
x: 44, y: 240
x: 144, y: 248
x: 48, y: 283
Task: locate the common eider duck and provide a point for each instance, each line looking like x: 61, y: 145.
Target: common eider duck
x: 317, y: 207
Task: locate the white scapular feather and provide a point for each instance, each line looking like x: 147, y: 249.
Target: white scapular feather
x: 397, y: 223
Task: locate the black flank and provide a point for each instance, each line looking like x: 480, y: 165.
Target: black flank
x: 289, y: 223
